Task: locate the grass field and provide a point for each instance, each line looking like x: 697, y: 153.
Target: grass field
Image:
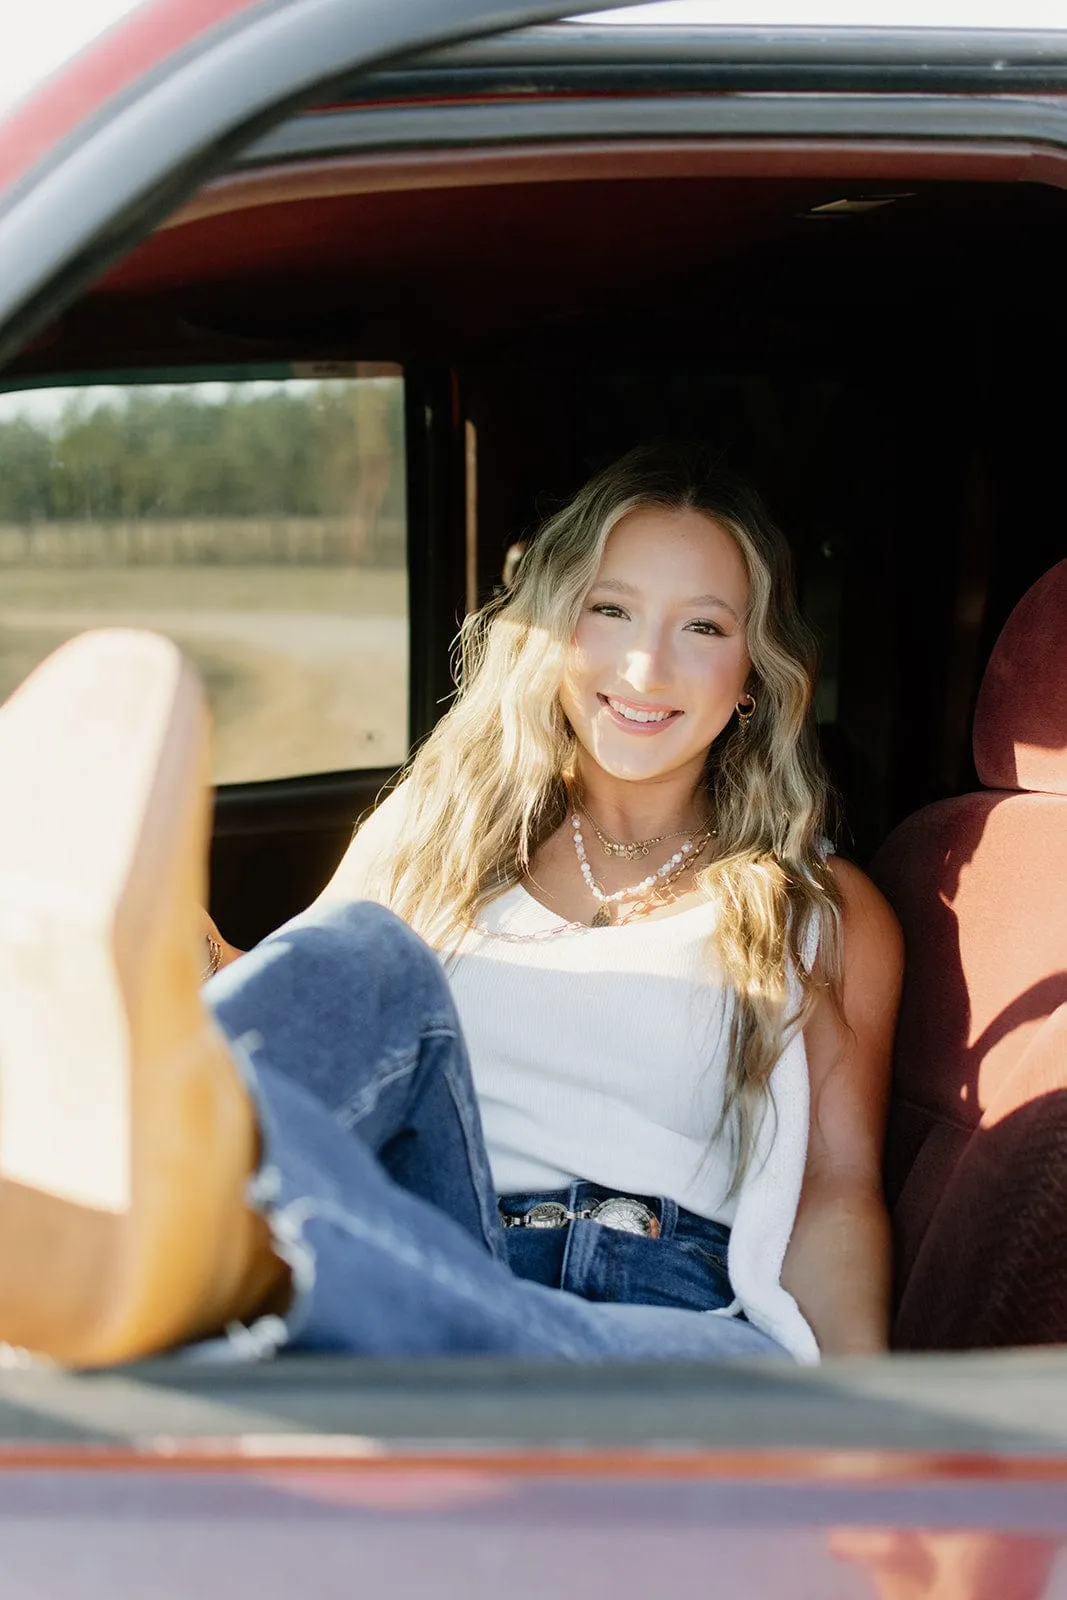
x: 305, y: 667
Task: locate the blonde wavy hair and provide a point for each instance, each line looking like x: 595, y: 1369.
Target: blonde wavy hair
x: 490, y: 783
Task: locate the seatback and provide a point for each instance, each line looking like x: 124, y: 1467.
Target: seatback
x: 976, y: 1157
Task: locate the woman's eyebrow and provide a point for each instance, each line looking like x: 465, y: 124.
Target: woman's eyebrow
x: 617, y: 586
x: 712, y: 600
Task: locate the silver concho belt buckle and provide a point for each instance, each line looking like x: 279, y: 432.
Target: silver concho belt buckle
x: 546, y: 1214
x: 618, y: 1211
x: 629, y: 1216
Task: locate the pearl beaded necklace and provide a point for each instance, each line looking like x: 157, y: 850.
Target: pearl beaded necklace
x: 672, y: 868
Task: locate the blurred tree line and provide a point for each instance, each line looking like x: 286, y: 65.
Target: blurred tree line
x: 333, y: 449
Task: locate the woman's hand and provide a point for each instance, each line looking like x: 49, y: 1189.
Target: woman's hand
x: 217, y: 952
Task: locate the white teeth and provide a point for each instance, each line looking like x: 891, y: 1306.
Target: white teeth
x: 633, y: 715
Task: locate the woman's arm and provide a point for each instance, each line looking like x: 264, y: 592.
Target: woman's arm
x: 837, y: 1265
x: 372, y: 842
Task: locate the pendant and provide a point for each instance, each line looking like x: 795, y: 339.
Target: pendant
x: 623, y: 852
x: 602, y: 919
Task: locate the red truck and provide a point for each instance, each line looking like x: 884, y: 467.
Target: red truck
x: 453, y: 253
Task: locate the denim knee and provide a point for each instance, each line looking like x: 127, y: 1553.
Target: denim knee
x: 372, y: 943
x: 340, y: 994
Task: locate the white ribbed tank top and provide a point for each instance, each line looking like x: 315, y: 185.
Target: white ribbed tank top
x: 601, y: 1054
x: 598, y: 1053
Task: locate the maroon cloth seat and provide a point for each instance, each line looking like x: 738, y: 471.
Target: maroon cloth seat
x: 976, y: 1157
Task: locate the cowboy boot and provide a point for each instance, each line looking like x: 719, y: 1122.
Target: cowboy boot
x: 126, y: 1135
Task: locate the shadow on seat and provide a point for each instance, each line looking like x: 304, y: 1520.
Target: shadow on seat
x: 976, y: 1156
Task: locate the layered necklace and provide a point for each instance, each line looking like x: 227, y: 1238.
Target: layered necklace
x: 644, y: 894
x: 687, y: 854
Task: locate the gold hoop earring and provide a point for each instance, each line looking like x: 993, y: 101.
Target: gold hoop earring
x: 744, y: 717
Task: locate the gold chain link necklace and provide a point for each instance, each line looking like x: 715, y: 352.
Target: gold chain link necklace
x: 622, y: 851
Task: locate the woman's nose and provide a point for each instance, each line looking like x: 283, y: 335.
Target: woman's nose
x: 648, y: 666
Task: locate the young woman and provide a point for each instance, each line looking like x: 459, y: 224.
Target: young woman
x: 678, y: 1004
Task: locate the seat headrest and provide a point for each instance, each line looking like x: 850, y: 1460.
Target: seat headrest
x: 1020, y: 721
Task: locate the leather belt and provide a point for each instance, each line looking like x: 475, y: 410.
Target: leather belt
x: 617, y: 1211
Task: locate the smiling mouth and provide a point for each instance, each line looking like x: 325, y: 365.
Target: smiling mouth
x: 639, y: 719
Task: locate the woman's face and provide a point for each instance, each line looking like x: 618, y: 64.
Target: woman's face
x: 659, y: 660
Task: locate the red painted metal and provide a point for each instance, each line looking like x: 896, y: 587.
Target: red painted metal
x: 317, y: 1454
x: 109, y: 65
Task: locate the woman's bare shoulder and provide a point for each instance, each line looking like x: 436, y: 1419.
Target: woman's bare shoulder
x: 868, y: 917
x: 872, y: 943
x: 373, y: 843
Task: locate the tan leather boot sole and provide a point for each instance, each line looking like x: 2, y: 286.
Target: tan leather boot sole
x: 126, y: 1137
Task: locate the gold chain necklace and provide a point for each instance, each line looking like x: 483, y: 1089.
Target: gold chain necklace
x: 641, y: 908
x: 622, y: 851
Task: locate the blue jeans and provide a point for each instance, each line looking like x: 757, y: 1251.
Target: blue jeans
x: 376, y: 1184
x: 684, y: 1265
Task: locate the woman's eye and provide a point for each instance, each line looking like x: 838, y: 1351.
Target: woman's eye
x: 605, y: 610
x: 708, y: 628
